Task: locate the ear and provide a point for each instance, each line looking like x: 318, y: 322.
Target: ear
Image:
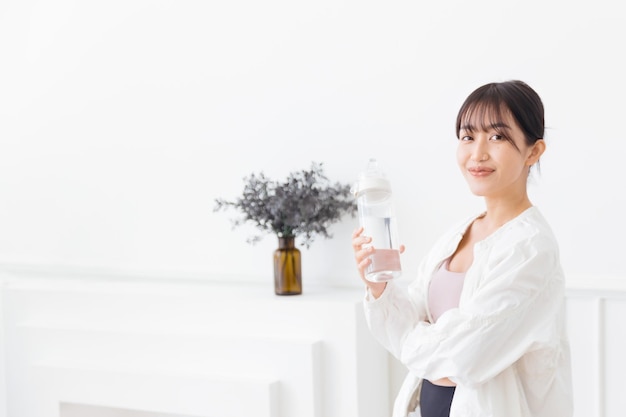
x: 536, y: 151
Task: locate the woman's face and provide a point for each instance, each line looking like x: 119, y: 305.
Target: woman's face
x: 495, y: 162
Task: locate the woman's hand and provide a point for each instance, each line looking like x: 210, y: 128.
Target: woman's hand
x: 363, y: 260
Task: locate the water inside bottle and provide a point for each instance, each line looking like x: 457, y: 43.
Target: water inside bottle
x: 385, y: 265
x: 381, y: 230
x: 386, y: 259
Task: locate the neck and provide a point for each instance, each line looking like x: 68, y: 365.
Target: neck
x: 501, y: 211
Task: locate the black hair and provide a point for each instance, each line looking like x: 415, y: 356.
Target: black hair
x: 514, y: 97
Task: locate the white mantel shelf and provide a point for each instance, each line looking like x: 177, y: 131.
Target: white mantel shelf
x: 596, y: 284
x: 188, y: 348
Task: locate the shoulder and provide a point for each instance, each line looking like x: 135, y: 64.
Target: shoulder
x: 529, y: 228
x: 526, y: 240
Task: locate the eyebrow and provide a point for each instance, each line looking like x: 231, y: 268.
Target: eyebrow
x: 497, y: 125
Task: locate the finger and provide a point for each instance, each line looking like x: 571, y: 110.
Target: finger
x: 363, y: 254
x: 359, y: 241
x: 362, y: 266
x: 357, y: 232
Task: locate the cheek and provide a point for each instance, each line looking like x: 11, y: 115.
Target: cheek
x: 461, y: 158
x: 515, y: 164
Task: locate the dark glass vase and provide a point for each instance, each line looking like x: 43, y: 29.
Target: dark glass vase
x: 287, y: 275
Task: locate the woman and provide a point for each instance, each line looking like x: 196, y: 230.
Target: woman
x: 482, y: 328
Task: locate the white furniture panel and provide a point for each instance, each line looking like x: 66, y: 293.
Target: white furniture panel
x: 596, y: 311
x: 80, y: 410
x: 582, y: 316
x: 189, y: 348
x: 194, y: 395
x: 614, y: 360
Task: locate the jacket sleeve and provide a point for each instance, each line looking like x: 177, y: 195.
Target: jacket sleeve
x: 510, y: 312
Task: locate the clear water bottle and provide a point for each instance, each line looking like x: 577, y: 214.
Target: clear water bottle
x: 377, y: 216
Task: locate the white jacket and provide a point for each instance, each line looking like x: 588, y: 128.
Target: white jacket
x: 505, y: 346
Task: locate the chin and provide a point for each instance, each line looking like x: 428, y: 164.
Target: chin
x: 478, y: 191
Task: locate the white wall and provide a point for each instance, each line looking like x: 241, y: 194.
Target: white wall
x: 122, y: 121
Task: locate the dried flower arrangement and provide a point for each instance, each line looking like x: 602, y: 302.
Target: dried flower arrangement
x: 305, y: 205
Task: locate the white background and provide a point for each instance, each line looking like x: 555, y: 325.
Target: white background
x: 121, y: 122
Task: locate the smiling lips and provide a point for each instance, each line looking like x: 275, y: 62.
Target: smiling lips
x: 480, y: 171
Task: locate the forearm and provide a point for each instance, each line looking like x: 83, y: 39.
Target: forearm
x: 390, y: 316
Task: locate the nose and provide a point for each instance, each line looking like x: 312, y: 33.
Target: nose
x: 480, y: 157
x: 479, y: 153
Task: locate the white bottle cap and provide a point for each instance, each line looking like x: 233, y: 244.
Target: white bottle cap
x: 372, y: 179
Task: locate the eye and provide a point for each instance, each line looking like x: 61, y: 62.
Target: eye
x: 465, y: 138
x: 497, y: 138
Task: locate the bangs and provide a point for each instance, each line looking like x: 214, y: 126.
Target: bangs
x: 494, y: 106
x: 483, y: 116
